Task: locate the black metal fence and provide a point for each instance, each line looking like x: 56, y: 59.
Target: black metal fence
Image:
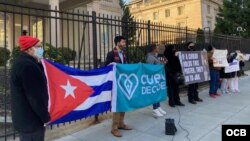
x: 81, y: 39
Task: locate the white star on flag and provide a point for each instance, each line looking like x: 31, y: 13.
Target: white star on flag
x: 69, y: 89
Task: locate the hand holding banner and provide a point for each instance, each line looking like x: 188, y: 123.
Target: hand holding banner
x: 137, y: 86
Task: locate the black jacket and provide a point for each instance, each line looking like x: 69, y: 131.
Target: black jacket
x: 111, y: 58
x: 29, y: 95
x: 173, y: 66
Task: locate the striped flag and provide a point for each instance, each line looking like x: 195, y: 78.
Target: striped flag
x: 75, y: 94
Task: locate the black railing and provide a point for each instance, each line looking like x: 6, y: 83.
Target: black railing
x: 81, y: 39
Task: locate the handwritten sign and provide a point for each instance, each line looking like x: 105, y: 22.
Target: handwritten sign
x: 220, y: 58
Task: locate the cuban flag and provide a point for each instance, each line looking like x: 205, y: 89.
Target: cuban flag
x: 75, y: 94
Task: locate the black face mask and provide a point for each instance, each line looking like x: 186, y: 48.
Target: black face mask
x: 191, y: 47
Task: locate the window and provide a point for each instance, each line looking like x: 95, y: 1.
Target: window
x: 3, y: 23
x: 181, y: 24
x: 37, y: 28
x: 208, y: 9
x: 155, y: 15
x: 181, y: 10
x: 209, y: 23
x: 105, y: 30
x: 167, y: 13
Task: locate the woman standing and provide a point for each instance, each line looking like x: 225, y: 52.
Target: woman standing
x: 193, y: 94
x: 173, y: 67
x: 235, y: 76
x: 152, y: 59
x: 226, y: 79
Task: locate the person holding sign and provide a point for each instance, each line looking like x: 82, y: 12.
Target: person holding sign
x: 193, y: 94
x: 118, y: 56
x: 152, y: 59
x: 234, y: 86
x: 214, y: 73
x: 226, y: 78
x: 173, y: 68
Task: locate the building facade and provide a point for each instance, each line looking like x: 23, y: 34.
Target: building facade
x: 191, y: 13
x: 54, y: 27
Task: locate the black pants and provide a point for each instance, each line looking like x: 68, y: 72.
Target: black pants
x: 33, y: 136
x: 173, y: 92
x: 193, y: 93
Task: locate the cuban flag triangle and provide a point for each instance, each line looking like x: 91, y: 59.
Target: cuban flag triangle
x: 75, y: 94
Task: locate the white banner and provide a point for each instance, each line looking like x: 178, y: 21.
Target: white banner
x: 233, y: 67
x: 246, y: 57
x: 220, y: 58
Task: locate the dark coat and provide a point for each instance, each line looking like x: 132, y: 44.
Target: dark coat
x: 173, y: 66
x: 29, y: 95
x: 111, y: 57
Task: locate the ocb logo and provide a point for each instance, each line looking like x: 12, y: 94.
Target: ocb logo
x: 236, y: 132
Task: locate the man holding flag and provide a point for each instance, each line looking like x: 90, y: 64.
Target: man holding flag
x: 118, y: 56
x: 29, y: 95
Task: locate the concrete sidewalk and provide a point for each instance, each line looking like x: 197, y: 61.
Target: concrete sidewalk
x: 202, y: 121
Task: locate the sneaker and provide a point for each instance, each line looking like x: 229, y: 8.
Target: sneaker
x: 212, y: 95
x: 223, y: 92
x: 233, y: 91
x: 237, y: 91
x: 217, y: 94
x: 157, y: 113
x: 161, y: 111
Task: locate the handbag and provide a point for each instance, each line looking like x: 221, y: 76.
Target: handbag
x: 178, y: 78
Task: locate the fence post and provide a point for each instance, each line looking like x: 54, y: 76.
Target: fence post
x: 186, y: 34
x: 127, y: 24
x: 5, y: 77
x: 149, y: 33
x: 94, y: 33
x: 210, y: 36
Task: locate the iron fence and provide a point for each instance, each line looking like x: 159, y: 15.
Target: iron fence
x: 81, y: 39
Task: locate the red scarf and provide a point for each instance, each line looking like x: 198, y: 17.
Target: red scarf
x: 117, y: 59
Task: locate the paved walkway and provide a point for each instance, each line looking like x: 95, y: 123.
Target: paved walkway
x: 203, y: 121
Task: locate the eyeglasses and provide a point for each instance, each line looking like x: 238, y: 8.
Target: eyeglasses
x: 38, y: 46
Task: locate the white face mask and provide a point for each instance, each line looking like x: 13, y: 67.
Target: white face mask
x: 39, y: 52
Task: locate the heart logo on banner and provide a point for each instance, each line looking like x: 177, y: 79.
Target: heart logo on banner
x: 128, y: 84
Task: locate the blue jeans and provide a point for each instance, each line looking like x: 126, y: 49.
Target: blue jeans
x: 214, y: 81
x: 156, y: 106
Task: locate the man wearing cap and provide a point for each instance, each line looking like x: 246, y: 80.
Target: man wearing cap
x: 29, y: 95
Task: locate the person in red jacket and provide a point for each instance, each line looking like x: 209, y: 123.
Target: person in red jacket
x: 29, y: 95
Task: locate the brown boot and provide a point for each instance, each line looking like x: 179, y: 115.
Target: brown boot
x: 116, y: 133
x: 124, y: 127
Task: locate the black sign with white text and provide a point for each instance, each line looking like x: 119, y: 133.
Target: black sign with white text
x: 194, y: 66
